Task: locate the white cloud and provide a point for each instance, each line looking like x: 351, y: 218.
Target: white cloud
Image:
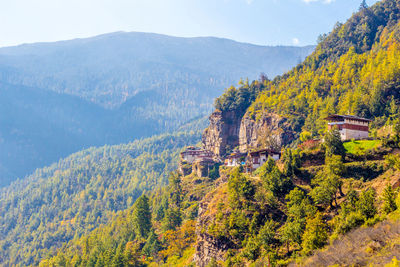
x: 249, y: 2
x: 295, y: 41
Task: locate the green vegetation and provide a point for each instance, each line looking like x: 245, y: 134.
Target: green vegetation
x: 354, y: 70
x: 333, y: 144
x: 112, y: 90
x: 76, y: 195
x: 358, y: 147
x: 131, y: 240
x: 239, y: 99
x: 286, y: 209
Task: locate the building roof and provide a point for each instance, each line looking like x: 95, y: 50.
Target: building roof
x: 205, y: 159
x: 236, y: 155
x: 196, y: 151
x: 269, y: 151
x: 334, y: 117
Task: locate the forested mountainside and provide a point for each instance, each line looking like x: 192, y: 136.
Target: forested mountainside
x: 354, y: 70
x: 59, y: 98
x: 111, y: 68
x: 39, y: 127
x: 79, y: 193
x: 318, y: 193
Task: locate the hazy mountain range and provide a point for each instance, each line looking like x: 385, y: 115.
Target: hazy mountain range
x: 58, y: 98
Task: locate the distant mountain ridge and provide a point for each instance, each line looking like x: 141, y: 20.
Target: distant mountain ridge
x: 58, y: 98
x: 140, y: 61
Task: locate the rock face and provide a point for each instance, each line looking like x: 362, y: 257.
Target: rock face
x: 227, y: 131
x: 230, y: 130
x: 269, y: 131
x: 207, y: 247
x: 223, y: 133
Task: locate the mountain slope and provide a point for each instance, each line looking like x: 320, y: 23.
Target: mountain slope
x: 77, y: 194
x: 110, y: 68
x: 39, y: 127
x: 114, y: 88
x: 286, y: 210
x: 354, y: 70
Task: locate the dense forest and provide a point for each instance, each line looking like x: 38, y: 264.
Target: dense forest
x: 354, y: 70
x: 59, y: 98
x: 74, y: 196
x: 315, y: 195
x: 113, y: 206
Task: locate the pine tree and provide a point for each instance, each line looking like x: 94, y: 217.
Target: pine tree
x: 328, y: 182
x: 363, y: 5
x: 389, y: 203
x: 333, y: 144
x: 119, y: 259
x: 291, y: 233
x: 152, y: 246
x: 366, y: 204
x: 315, y: 235
x: 142, y: 217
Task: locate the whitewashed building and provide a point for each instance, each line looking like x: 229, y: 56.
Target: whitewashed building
x: 259, y: 157
x: 236, y: 159
x: 251, y: 160
x: 350, y: 127
x: 192, y: 154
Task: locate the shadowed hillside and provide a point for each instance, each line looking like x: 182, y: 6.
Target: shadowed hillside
x: 59, y: 98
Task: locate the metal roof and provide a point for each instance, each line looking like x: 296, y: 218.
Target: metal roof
x: 342, y: 117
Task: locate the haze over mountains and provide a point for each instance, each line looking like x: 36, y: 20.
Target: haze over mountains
x: 58, y: 98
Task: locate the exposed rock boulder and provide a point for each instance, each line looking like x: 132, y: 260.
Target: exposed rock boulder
x: 223, y: 133
x: 185, y: 168
x: 268, y: 131
x: 202, y: 168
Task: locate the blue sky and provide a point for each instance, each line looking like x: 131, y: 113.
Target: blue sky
x: 265, y: 22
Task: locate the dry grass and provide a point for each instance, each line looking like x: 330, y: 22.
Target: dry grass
x: 374, y: 246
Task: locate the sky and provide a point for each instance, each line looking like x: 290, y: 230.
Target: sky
x: 263, y: 22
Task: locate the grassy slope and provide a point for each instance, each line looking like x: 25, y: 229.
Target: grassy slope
x: 357, y: 146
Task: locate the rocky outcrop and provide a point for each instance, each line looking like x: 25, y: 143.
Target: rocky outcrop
x: 185, y: 168
x: 268, y: 131
x: 207, y: 246
x: 223, y: 133
x: 230, y: 130
x: 202, y: 168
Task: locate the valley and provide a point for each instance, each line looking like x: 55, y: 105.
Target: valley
x: 296, y: 167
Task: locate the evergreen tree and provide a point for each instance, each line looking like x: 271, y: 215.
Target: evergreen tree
x: 119, y: 259
x: 142, y: 217
x: 299, y: 206
x: 172, y: 219
x: 333, y: 144
x: 366, y: 203
x: 315, y: 235
x: 291, y: 233
x: 240, y: 188
x: 152, y: 246
x: 291, y: 161
x: 327, y: 183
x: 267, y: 234
x: 388, y: 197
x: 175, y: 188
x: 363, y: 5
x: 274, y: 179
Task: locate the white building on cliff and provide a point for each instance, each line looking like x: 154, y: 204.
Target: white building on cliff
x: 350, y: 127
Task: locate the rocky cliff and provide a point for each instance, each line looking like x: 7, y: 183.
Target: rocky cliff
x: 230, y: 130
x: 222, y: 135
x: 268, y: 131
x: 209, y: 248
